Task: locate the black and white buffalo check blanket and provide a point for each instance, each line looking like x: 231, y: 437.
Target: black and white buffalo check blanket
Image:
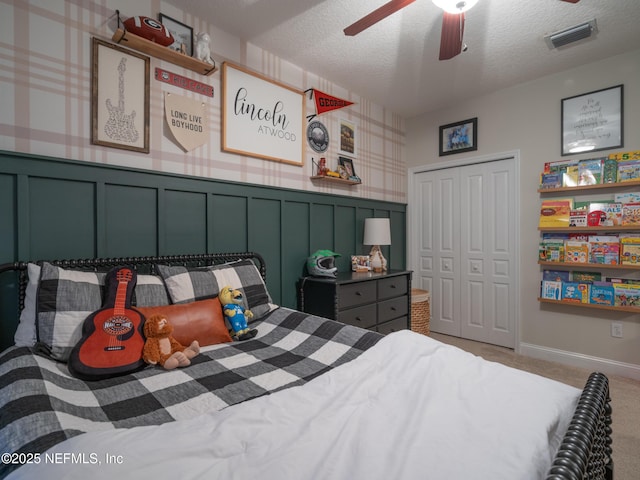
x: 42, y: 404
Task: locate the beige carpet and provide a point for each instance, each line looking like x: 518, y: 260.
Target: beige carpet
x: 625, y: 398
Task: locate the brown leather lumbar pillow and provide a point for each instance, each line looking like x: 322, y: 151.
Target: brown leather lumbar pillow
x: 202, y: 320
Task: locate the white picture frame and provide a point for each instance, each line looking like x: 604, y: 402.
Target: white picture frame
x: 261, y: 117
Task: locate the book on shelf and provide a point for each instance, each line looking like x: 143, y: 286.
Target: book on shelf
x: 575, y: 292
x: 576, y: 252
x: 555, y: 213
x: 550, y: 180
x: 613, y: 214
x: 549, y: 251
x: 586, y: 277
x: 623, y: 156
x: 578, y: 218
x: 610, y: 170
x: 570, y: 176
x: 631, y: 214
x: 559, y: 166
x: 633, y: 281
x: 551, y: 290
x: 629, y: 250
x: 604, y: 249
x: 627, y: 197
x: 628, y: 171
x: 590, y: 171
x: 602, y: 293
x: 626, y: 294
x: 556, y: 275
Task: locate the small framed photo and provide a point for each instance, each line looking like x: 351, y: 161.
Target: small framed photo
x: 593, y: 121
x: 459, y: 137
x: 347, y: 163
x: 360, y: 263
x: 119, y: 97
x: 348, y: 133
x: 182, y: 35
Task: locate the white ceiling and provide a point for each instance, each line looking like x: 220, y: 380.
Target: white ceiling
x: 395, y: 62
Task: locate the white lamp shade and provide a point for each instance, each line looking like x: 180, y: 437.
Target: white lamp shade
x: 377, y: 231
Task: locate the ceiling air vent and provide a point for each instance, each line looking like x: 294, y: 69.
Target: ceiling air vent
x: 571, y: 34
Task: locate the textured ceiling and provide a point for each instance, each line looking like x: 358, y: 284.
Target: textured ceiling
x: 395, y: 62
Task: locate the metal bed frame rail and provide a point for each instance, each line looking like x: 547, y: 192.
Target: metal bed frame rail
x: 585, y: 452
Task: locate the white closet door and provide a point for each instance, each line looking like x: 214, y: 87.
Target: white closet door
x: 439, y: 246
x: 487, y: 252
x: 466, y: 249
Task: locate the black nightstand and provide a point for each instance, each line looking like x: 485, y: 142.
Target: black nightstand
x: 375, y: 301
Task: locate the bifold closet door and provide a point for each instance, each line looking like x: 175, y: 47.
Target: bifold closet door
x: 467, y: 251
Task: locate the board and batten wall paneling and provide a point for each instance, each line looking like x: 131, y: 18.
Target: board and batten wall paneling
x: 55, y: 209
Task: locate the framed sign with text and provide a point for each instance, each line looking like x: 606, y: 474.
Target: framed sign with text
x: 261, y: 118
x: 593, y: 121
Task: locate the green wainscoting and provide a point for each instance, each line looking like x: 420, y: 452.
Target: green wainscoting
x: 53, y: 208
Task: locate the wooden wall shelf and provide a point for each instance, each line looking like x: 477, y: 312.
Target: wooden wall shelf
x: 591, y: 305
x: 334, y: 179
x: 615, y: 228
x: 600, y: 186
x: 590, y: 266
x: 143, y: 45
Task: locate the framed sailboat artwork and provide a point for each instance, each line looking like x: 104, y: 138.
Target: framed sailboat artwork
x: 119, y: 97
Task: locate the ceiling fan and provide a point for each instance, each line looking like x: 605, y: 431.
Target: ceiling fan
x: 452, y: 22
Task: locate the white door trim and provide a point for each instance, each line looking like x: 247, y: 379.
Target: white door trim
x: 412, y: 215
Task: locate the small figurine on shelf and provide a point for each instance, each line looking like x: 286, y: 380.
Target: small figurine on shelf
x: 203, y: 49
x: 322, y: 167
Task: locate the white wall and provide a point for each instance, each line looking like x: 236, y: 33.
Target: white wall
x: 527, y: 118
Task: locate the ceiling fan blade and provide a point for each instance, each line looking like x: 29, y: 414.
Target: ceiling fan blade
x: 571, y: 1
x: 451, y: 36
x: 374, y: 17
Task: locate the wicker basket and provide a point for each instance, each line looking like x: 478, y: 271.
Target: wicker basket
x: 420, y: 313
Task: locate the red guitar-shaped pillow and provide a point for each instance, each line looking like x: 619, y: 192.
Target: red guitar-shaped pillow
x: 112, y: 337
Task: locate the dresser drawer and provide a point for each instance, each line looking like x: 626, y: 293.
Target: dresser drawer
x: 390, y: 309
x: 392, y: 287
x: 363, y: 317
x: 354, y: 294
x: 393, y: 326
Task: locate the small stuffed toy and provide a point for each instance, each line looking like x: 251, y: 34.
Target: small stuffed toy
x: 161, y: 348
x: 235, y: 313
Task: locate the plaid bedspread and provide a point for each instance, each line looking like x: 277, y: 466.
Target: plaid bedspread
x: 41, y: 404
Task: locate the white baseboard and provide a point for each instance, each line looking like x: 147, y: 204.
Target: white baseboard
x: 606, y: 366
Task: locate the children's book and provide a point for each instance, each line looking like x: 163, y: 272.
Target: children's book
x: 551, y: 251
x: 551, y: 180
x: 590, y: 171
x: 610, y: 170
x: 613, y: 214
x: 604, y: 249
x: 626, y: 295
x: 556, y: 275
x: 551, y: 290
x: 624, y: 156
x: 586, y: 277
x: 576, y: 252
x: 630, y: 250
x: 570, y: 177
x: 575, y: 292
x: 578, y: 218
x: 627, y: 197
x: 631, y: 214
x: 628, y: 171
x: 602, y: 293
x: 555, y: 213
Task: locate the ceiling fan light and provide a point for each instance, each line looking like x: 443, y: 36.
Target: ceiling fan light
x: 455, y: 6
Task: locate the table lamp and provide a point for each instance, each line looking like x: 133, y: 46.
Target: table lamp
x: 377, y: 231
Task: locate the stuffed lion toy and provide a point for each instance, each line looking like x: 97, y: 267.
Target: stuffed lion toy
x: 161, y: 348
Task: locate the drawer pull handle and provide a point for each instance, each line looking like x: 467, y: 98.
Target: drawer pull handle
x: 393, y: 286
x: 358, y: 319
x: 393, y: 309
x: 358, y: 294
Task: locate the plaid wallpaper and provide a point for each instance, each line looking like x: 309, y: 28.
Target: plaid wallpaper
x: 45, y: 102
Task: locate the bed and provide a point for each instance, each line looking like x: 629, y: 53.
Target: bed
x: 307, y: 397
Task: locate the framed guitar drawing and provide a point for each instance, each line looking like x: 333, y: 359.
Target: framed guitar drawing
x: 119, y: 97
x: 112, y: 337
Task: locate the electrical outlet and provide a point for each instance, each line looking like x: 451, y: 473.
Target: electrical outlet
x: 616, y: 329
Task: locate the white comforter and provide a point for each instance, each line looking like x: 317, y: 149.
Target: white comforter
x: 408, y: 408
